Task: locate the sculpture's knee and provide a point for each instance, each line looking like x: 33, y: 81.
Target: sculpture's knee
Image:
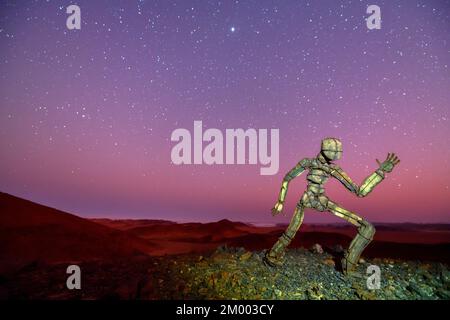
x: 366, y: 230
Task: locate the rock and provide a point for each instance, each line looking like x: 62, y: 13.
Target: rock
x: 222, y: 249
x: 314, y: 293
x: 329, y: 262
x: 317, y: 248
x: 417, y: 290
x: 444, y: 274
x: 240, y: 250
x: 246, y: 256
x: 278, y: 292
x: 364, y: 294
x: 361, y: 260
x: 203, y: 291
x: 444, y: 294
x: 338, y: 248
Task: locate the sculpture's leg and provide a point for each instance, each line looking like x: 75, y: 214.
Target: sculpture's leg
x: 365, y: 235
x: 274, y: 256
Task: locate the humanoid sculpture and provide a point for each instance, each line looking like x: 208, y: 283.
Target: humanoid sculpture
x: 319, y: 170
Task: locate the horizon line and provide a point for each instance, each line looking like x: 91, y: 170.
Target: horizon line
x: 254, y: 223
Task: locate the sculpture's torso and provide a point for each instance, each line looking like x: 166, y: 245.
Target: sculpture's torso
x: 314, y: 196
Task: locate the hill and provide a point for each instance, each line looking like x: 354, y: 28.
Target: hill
x: 33, y: 233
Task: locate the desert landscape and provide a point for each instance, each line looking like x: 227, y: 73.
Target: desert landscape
x: 157, y: 259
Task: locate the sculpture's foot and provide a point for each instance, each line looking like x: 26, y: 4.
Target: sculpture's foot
x: 348, y: 268
x: 272, y: 260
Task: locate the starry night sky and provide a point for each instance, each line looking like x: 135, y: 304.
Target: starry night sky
x: 86, y: 115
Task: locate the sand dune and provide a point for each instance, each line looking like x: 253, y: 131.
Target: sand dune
x: 32, y: 233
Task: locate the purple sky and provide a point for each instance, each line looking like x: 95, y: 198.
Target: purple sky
x: 86, y: 115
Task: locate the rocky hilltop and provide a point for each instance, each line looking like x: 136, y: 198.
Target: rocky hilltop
x: 234, y: 273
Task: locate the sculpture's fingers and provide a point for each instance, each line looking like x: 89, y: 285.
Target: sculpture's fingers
x: 378, y: 161
x: 388, y: 156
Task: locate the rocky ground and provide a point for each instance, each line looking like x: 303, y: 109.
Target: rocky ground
x: 231, y: 273
x: 234, y: 273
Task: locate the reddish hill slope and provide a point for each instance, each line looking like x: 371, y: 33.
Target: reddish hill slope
x: 30, y: 232
x: 403, y: 241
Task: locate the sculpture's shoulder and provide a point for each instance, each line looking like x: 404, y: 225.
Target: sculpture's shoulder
x: 334, y: 167
x: 306, y: 163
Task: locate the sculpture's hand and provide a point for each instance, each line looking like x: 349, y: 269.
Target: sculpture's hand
x: 277, y: 208
x: 388, y: 165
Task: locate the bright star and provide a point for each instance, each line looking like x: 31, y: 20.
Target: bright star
x: 232, y: 29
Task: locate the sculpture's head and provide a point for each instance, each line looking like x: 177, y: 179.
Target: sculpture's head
x: 331, y: 148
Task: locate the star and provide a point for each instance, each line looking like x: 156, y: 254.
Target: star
x: 151, y: 66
